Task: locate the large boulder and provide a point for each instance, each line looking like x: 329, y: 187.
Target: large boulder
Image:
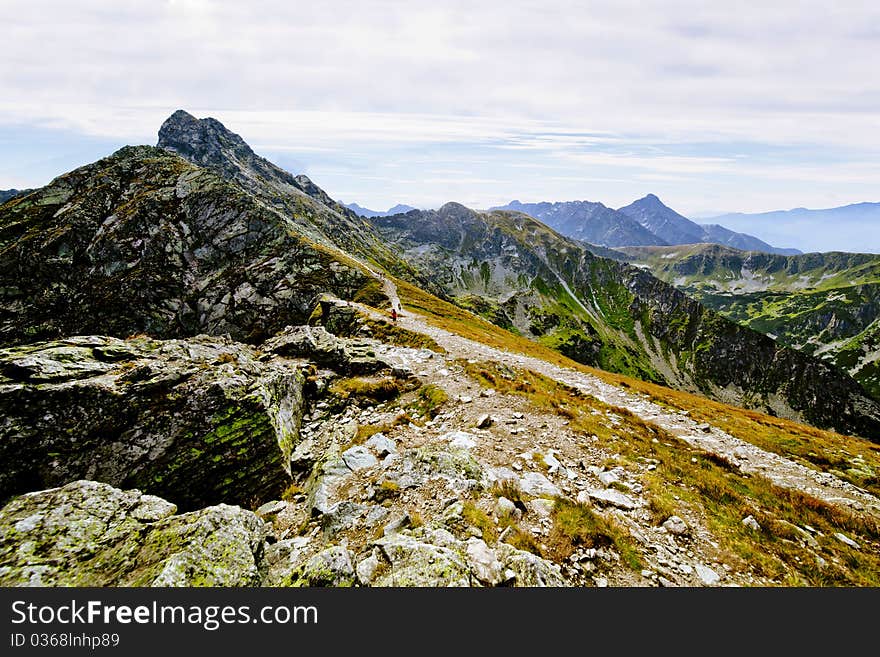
x: 92, y: 534
x: 198, y: 421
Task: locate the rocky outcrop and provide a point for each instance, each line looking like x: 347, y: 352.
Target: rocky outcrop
x: 198, y: 421
x: 91, y: 534
x: 144, y: 241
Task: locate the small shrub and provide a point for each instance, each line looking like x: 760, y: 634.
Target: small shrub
x: 576, y: 524
x: 376, y: 390
x: 429, y: 400
x: 475, y: 516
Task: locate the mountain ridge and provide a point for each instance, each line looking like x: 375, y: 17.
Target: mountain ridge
x: 821, y: 303
x: 254, y: 377
x: 400, y: 208
x: 645, y: 222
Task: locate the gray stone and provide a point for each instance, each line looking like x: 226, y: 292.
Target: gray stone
x: 443, y: 538
x: 846, y: 540
x: 504, y: 508
x: 358, y: 457
x: 608, y: 478
x: 484, y: 421
x: 536, y: 484
x: 366, y: 569
x: 271, y: 508
x: 152, y: 508
x: 528, y: 569
x: 707, y: 576
x: 399, y: 523
x: 483, y: 562
x: 612, y: 497
x: 330, y: 567
x: 751, y: 523
x: 340, y: 516
x: 283, y: 559
x: 550, y: 460
x: 382, y: 445
x: 675, y: 525
x: 375, y: 515
x: 460, y: 439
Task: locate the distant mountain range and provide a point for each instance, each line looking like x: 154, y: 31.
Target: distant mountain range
x: 366, y: 212
x: 201, y: 385
x: 826, y: 304
x: 645, y: 222
x: 855, y: 226
x: 6, y: 194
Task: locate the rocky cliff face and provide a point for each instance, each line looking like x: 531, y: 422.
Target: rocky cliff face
x: 144, y: 241
x: 621, y: 318
x: 201, y: 420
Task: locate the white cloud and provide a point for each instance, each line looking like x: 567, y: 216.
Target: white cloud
x: 593, y: 92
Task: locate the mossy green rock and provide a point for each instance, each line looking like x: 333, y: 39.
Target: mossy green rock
x: 197, y: 421
x: 91, y: 534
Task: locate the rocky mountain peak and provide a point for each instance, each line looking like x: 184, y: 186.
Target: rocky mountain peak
x: 204, y: 141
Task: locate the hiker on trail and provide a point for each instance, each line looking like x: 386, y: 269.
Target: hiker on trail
x: 394, y: 314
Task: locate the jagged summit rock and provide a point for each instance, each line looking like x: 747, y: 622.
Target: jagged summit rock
x: 208, y: 143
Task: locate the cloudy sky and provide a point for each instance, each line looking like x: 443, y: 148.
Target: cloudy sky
x: 715, y: 107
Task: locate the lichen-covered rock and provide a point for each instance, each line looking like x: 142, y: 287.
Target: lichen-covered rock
x: 330, y: 567
x: 530, y: 569
x: 197, y: 421
x: 91, y: 534
x: 290, y: 563
x: 412, y: 562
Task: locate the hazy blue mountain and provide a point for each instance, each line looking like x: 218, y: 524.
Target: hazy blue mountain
x: 855, y: 226
x: 720, y: 235
x: 663, y: 221
x: 6, y: 194
x: 400, y: 208
x: 674, y: 228
x: 588, y: 221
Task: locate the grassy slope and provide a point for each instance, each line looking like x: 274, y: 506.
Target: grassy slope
x: 706, y: 486
x: 854, y: 459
